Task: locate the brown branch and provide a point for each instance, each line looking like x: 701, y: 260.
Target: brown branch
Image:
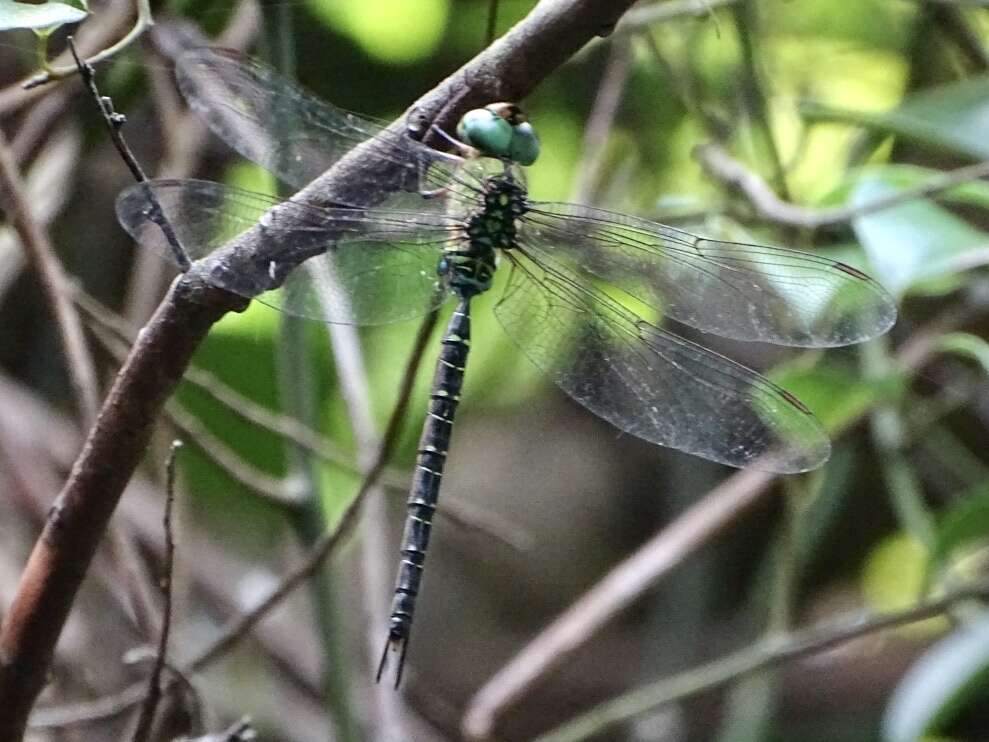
x: 507, y: 70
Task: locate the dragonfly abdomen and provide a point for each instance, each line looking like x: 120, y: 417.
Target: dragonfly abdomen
x: 430, y: 460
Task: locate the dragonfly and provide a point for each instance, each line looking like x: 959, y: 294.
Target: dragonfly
x: 588, y: 296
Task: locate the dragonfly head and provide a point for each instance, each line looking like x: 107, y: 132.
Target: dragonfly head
x: 500, y: 130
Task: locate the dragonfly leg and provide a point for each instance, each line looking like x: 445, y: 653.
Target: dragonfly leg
x: 465, y: 150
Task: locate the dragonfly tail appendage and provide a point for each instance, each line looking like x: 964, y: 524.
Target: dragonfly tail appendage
x: 394, y: 643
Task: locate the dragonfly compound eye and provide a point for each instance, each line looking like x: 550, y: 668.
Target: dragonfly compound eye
x: 524, y: 147
x: 486, y: 131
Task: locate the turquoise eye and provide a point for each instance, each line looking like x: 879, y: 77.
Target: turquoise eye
x: 486, y: 131
x: 524, y: 148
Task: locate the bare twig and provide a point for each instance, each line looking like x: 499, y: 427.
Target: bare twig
x: 719, y: 164
x: 770, y: 652
x: 41, y: 255
x: 114, y: 122
x: 150, y: 705
x: 184, y: 133
x: 746, y: 16
x: 40, y: 122
x: 602, y: 119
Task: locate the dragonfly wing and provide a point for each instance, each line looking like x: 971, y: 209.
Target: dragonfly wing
x: 362, y: 266
x: 271, y: 121
x: 649, y: 382
x: 741, y: 291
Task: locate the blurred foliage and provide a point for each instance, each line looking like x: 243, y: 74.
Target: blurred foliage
x: 864, y: 100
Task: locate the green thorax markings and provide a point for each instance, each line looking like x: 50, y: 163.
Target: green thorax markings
x: 470, y: 265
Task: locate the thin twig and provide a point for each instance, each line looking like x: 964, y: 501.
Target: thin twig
x: 769, y: 652
x: 151, y: 700
x: 601, y: 120
x: 114, y: 123
x: 184, y: 134
x: 41, y: 255
x: 722, y: 166
x: 275, y: 489
x: 745, y: 15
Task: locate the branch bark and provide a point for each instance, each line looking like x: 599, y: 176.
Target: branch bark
x: 507, y: 70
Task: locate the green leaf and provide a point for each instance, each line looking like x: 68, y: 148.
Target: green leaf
x: 950, y: 117
x: 915, y: 245
x: 14, y: 14
x: 946, y: 677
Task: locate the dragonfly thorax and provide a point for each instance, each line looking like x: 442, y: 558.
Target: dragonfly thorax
x: 469, y: 265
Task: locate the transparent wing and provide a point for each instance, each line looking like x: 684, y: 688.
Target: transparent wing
x: 271, y: 121
x: 363, y: 266
x: 649, y: 382
x: 747, y: 292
